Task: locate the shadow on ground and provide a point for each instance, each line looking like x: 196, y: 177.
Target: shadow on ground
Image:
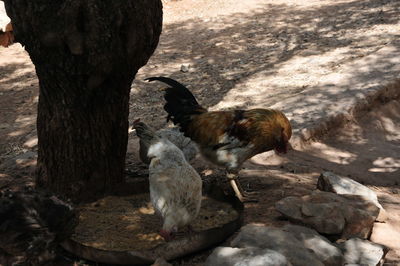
x: 258, y: 58
x: 274, y: 53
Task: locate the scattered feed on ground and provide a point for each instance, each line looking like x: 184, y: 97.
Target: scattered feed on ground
x: 130, y: 222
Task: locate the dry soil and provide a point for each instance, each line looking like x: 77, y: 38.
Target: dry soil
x: 243, y: 54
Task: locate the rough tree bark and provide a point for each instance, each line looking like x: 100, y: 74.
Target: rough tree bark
x: 86, y: 54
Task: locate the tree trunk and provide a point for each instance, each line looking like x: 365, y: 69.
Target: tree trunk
x: 86, y: 54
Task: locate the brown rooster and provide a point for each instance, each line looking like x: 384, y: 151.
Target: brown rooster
x: 226, y: 138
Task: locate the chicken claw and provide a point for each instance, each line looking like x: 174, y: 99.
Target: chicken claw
x: 239, y: 192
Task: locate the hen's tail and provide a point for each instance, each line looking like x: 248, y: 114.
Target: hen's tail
x: 181, y: 104
x: 144, y: 132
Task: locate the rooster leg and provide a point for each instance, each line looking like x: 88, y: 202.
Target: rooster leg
x: 239, y: 192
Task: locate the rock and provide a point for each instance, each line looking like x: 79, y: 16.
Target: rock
x: 187, y: 146
x: 328, y: 213
x: 161, y: 262
x: 290, y: 207
x: 326, y: 218
x: 331, y: 182
x: 185, y: 68
x: 341, y: 185
x: 255, y: 236
x: 227, y: 256
x: 363, y: 252
x: 326, y: 252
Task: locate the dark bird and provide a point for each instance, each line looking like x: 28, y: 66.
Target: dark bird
x: 226, y: 138
x: 32, y: 224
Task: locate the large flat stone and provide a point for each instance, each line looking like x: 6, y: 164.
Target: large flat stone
x: 331, y: 182
x: 363, y: 252
x: 342, y: 185
x: 329, y: 254
x: 255, y: 236
x: 342, y: 215
x: 227, y: 256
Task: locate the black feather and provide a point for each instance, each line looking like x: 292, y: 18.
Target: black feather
x: 177, y: 88
x: 180, y: 104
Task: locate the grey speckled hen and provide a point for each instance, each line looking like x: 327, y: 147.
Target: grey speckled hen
x: 187, y: 146
x: 175, y: 186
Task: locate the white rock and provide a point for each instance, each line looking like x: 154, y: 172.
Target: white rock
x: 363, y: 252
x: 329, y: 213
x: 341, y: 185
x: 185, y: 68
x: 331, y: 182
x: 263, y: 237
x: 227, y: 256
x: 328, y: 253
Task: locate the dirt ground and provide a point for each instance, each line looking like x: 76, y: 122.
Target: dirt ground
x: 243, y: 54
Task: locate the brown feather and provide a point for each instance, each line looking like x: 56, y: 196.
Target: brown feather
x: 261, y: 127
x: 208, y: 128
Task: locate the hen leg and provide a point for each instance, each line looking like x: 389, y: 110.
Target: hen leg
x: 187, y: 231
x: 237, y: 188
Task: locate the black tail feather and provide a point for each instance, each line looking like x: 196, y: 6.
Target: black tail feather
x: 176, y: 88
x: 180, y: 102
